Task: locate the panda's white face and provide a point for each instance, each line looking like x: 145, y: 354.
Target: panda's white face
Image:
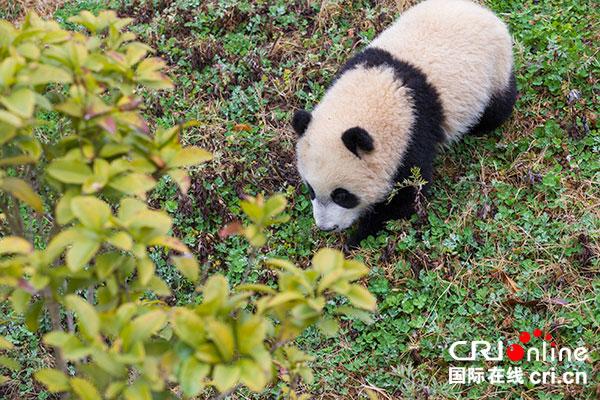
x: 335, y: 211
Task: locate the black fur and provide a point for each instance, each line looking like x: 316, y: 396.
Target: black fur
x: 344, y: 198
x: 425, y: 134
x: 498, y: 109
x: 357, y: 138
x: 300, y: 121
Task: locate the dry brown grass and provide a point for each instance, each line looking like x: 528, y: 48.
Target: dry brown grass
x: 16, y: 10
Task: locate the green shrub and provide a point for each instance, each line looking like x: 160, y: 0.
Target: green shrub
x: 78, y: 232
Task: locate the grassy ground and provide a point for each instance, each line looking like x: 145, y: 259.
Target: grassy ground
x: 512, y: 231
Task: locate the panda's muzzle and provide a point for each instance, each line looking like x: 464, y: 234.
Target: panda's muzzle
x: 328, y: 229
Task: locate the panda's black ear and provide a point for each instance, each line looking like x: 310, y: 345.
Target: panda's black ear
x: 357, y: 138
x: 300, y: 121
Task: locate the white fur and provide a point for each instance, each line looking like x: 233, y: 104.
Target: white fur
x: 464, y: 50
x: 329, y: 216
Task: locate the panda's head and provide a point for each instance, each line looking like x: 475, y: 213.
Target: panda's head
x: 350, y: 146
x: 334, y: 181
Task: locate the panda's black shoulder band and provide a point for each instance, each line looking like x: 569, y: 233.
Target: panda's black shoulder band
x: 428, y: 106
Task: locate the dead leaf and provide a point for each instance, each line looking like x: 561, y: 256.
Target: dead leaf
x: 233, y: 228
x: 502, y: 277
x: 242, y: 127
x: 539, y: 303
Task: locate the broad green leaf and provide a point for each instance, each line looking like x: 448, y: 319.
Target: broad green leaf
x: 64, y: 215
x: 87, y: 317
x: 187, y: 265
x: 307, y: 376
x: 327, y: 260
x: 146, y: 270
x: 275, y: 205
x: 354, y: 270
x: 140, y: 390
x: 284, y: 265
x: 159, y: 287
x: 10, y: 119
x: 222, y: 336
x: 329, y: 279
x: 352, y: 312
x: 29, y: 50
x: 106, y: 263
x: 59, y: 242
x: 5, y: 344
x: 133, y: 120
x: 85, y: 389
x: 252, y: 375
x: 143, y: 327
x: 19, y: 300
x: 284, y: 298
x: 56, y: 37
x: 255, y: 287
x: 90, y: 211
x: 328, y: 326
x: 189, y: 156
x: 188, y: 326
x: 150, y: 65
x: 216, y: 289
x: 181, y: 178
x: 250, y: 334
x: 114, y: 389
x: 361, y: 298
x: 55, y: 380
x: 255, y: 236
x: 32, y: 316
x: 209, y: 353
x: 22, y: 191
x: 121, y: 240
x: 135, y: 54
x: 9, y: 363
x: 191, y: 376
x: 164, y: 136
x: 132, y: 183
x: 69, y: 171
x: 45, y: 73
x: 20, y: 102
x: 81, y: 252
x: 226, y: 377
x: 169, y: 242
x: 112, y: 149
x: 15, y: 245
x: 8, y: 68
x: 253, y: 211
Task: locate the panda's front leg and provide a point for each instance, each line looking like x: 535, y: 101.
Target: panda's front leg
x: 400, y: 206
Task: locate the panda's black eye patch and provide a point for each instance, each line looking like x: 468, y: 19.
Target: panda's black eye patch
x: 311, y: 192
x: 344, y: 198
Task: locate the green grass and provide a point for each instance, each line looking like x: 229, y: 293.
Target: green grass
x: 515, y: 209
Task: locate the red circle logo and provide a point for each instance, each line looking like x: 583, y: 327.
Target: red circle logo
x: 515, y: 352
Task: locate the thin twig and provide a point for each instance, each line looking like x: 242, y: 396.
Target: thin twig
x: 55, y: 321
x: 12, y: 222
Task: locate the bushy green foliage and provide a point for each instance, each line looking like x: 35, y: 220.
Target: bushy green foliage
x: 81, y: 251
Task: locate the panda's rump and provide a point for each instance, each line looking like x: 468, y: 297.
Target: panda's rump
x: 464, y: 50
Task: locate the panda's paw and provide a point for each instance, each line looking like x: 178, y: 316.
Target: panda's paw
x: 352, y: 243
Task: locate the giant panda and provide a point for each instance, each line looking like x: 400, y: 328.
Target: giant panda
x: 442, y: 70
